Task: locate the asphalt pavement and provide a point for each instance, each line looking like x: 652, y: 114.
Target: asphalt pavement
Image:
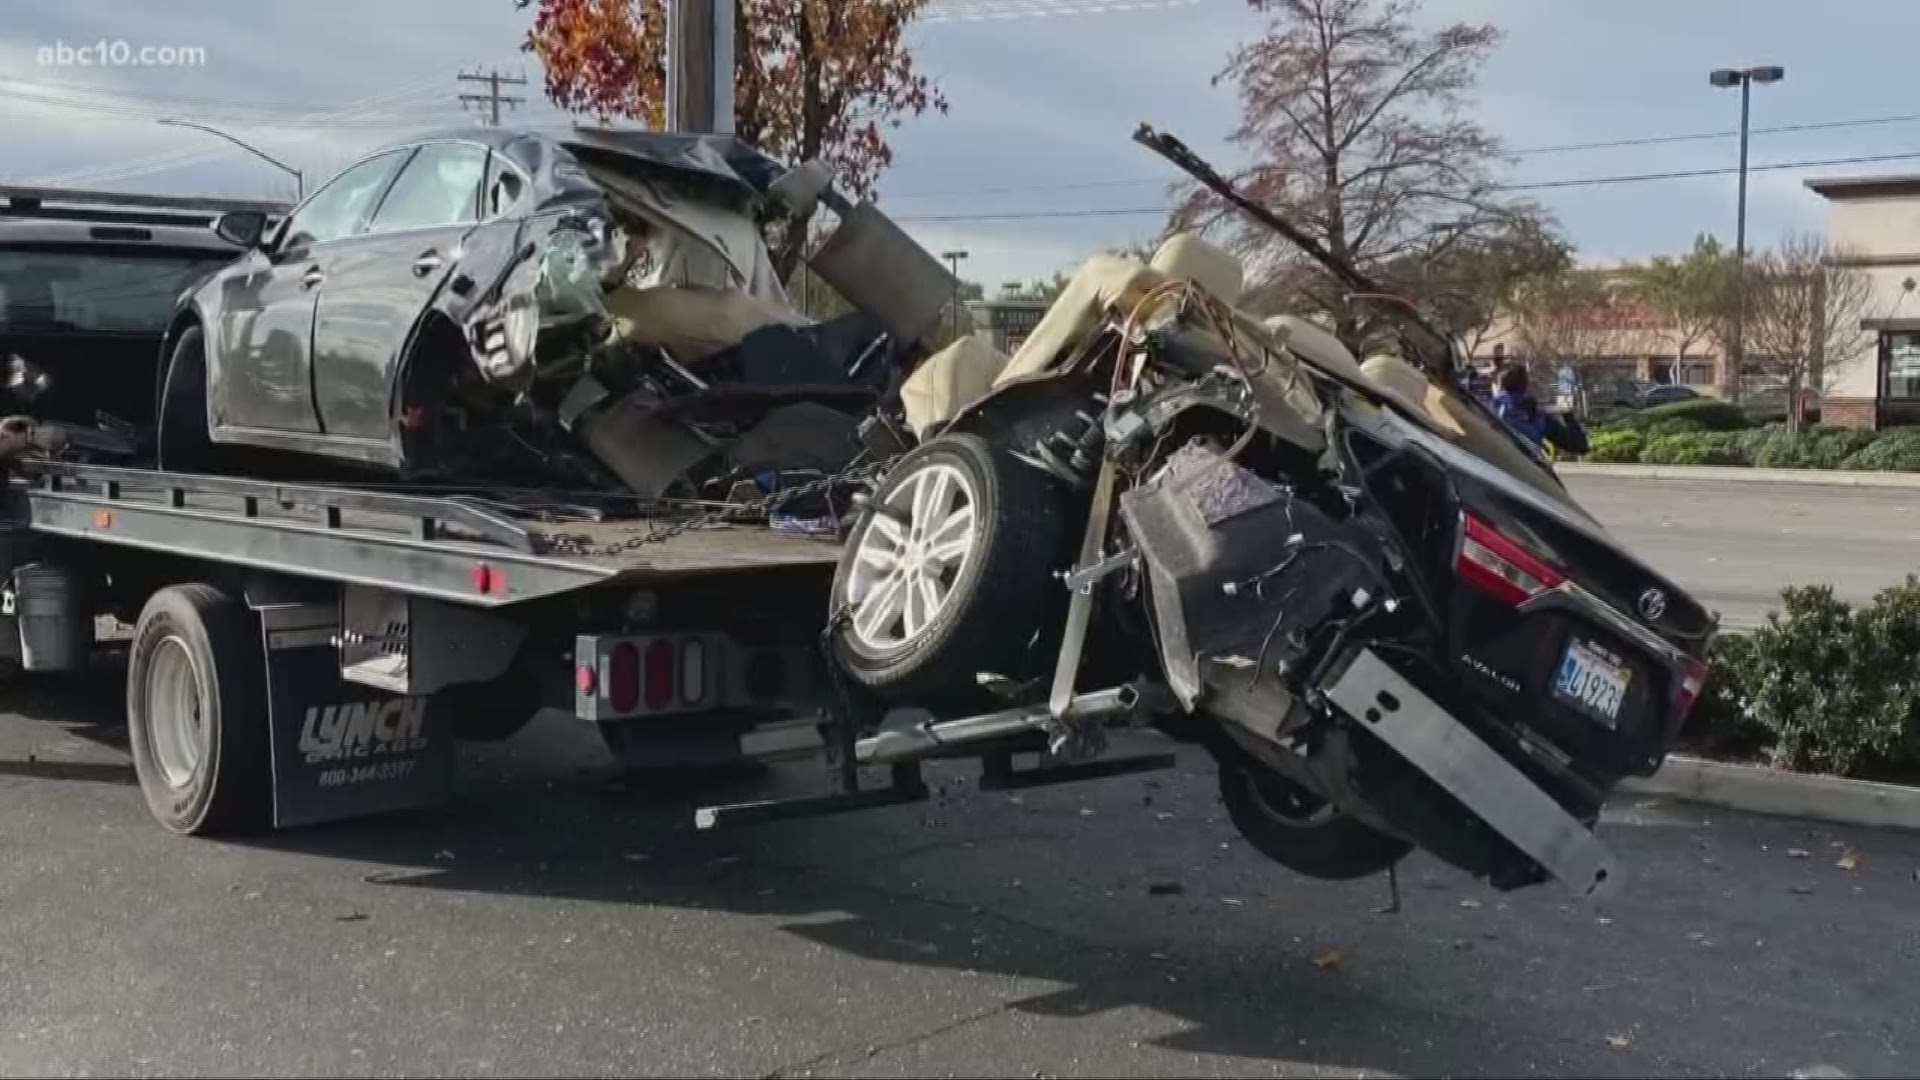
x: 1735, y: 544
x: 559, y: 920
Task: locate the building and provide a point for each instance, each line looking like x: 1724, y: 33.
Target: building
x: 1008, y: 321
x: 1626, y: 342
x: 1875, y: 222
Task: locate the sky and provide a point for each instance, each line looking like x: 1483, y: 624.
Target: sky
x: 1043, y: 96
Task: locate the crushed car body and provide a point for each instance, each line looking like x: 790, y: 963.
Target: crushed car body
x: 589, y: 309
x: 1373, y: 603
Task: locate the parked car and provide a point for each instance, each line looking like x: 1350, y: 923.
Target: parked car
x: 495, y: 303
x: 87, y: 287
x: 1666, y: 394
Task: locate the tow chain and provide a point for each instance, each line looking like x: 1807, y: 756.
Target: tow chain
x: 645, y: 535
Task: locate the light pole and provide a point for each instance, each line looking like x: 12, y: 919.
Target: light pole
x: 1744, y: 78
x: 953, y: 259
x: 299, y: 181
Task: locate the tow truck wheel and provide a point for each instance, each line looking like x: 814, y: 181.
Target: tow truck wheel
x: 949, y: 573
x: 1300, y: 830
x: 196, y: 712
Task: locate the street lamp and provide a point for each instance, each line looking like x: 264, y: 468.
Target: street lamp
x: 299, y: 182
x: 1725, y: 79
x: 953, y: 259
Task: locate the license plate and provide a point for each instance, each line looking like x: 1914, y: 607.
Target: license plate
x: 1591, y: 682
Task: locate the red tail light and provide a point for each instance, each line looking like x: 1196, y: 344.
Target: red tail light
x: 1500, y: 566
x: 661, y: 667
x: 1690, y: 687
x: 623, y: 677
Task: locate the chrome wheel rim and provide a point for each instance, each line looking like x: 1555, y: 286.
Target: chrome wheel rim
x: 910, y: 555
x: 176, y: 711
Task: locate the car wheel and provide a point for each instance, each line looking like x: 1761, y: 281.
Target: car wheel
x: 949, y: 574
x: 197, y: 712
x: 1302, y: 831
x: 185, y: 445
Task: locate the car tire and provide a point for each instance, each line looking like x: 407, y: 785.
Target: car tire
x: 197, y: 713
x: 1297, y: 829
x: 988, y: 578
x: 185, y: 444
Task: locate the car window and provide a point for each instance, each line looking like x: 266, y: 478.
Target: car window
x: 111, y: 291
x: 504, y: 188
x: 339, y: 208
x: 440, y: 186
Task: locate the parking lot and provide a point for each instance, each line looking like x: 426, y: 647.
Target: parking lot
x: 559, y: 919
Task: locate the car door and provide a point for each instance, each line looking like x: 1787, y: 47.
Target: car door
x: 377, y: 292
x: 260, y: 374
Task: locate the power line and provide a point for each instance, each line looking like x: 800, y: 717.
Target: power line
x: 1586, y: 181
x: 1649, y: 140
x: 135, y: 112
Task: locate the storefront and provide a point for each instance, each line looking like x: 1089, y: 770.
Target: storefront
x: 1874, y: 223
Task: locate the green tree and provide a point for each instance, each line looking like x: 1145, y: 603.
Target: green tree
x: 1473, y: 282
x: 1690, y: 291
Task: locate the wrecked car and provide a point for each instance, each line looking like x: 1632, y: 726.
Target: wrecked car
x: 587, y: 309
x: 1376, y: 606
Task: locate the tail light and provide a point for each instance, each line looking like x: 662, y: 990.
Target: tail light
x: 1500, y: 566
x: 1690, y: 686
x: 623, y: 677
x: 661, y: 667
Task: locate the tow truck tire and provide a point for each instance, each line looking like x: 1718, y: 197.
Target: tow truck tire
x: 1295, y: 828
x: 184, y: 443
x: 197, y: 713
x: 995, y: 599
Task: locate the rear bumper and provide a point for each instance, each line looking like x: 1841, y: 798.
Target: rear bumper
x: 1418, y: 729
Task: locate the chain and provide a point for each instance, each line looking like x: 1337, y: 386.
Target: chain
x: 647, y: 535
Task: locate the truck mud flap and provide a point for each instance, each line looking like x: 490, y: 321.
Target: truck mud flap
x: 341, y: 750
x: 1418, y: 729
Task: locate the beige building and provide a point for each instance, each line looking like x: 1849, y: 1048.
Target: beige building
x: 1876, y: 221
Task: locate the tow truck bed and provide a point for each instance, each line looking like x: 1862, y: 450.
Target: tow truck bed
x: 453, y: 547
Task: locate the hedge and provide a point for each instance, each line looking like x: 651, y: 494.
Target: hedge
x: 1614, y: 446
x: 1824, y: 686
x: 1893, y: 451
x: 1711, y: 414
x: 1695, y: 448
x: 1683, y: 441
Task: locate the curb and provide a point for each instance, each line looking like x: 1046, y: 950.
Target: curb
x: 1741, y: 475
x: 1758, y: 790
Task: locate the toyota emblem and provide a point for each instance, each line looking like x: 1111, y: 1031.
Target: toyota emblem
x: 1653, y: 604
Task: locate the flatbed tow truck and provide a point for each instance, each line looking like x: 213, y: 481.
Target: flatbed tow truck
x: 305, y: 653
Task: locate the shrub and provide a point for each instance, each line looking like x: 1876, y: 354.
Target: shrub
x: 1695, y: 448
x: 1711, y: 414
x: 1751, y: 440
x: 1719, y: 724
x: 1892, y: 451
x: 1836, y: 688
x: 1614, y: 446
x: 1810, y: 448
x: 1832, y: 446
x: 1675, y: 425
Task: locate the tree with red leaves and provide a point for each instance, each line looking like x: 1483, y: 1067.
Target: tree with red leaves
x: 1355, y: 120
x: 812, y: 78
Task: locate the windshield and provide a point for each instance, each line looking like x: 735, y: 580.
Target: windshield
x: 108, y: 291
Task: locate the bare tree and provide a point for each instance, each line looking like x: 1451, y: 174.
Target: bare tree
x: 1804, y: 308
x: 1357, y: 124
x: 1563, y: 320
x: 1473, y: 283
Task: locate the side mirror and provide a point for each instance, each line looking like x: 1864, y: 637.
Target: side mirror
x: 242, y: 227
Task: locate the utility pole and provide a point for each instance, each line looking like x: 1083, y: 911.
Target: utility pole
x: 493, y: 98
x: 953, y: 258
x: 1744, y: 78
x: 700, y: 66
